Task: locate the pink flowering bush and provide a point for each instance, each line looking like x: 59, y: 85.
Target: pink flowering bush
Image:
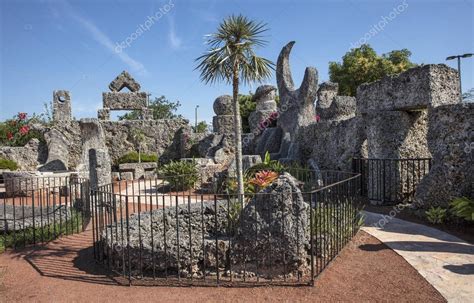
x: 17, y: 131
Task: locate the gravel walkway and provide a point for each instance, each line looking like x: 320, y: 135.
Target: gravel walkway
x: 445, y: 261
x: 64, y: 271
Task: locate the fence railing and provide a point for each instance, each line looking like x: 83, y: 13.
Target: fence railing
x: 147, y: 232
x: 391, y: 181
x: 39, y: 209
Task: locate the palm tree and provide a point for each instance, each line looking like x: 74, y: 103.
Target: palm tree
x: 139, y: 137
x: 231, y: 58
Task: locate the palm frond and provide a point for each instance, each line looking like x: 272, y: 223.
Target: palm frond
x: 234, y: 41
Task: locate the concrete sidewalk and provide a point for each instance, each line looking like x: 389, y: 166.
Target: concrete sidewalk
x: 444, y: 260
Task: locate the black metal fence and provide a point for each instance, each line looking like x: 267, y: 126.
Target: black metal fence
x: 391, y: 181
x: 148, y: 232
x: 39, y: 209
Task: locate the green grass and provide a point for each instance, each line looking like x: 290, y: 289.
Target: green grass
x: 43, y: 234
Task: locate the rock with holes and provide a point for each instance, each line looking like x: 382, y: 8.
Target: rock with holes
x: 181, y: 238
x: 273, y: 228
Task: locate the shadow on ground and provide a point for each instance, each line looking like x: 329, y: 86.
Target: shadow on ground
x: 70, y: 260
x: 464, y: 269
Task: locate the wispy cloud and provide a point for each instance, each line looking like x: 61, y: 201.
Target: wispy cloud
x: 175, y: 41
x: 104, y: 40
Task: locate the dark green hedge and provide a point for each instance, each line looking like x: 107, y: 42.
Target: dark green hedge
x: 132, y: 157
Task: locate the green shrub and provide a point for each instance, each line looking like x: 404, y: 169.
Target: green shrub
x: 436, y: 215
x: 463, y: 208
x: 132, y: 157
x: 181, y: 175
x: 8, y: 164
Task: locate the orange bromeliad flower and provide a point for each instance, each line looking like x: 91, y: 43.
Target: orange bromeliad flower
x: 263, y: 178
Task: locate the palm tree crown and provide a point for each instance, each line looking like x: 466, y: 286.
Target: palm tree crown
x: 232, y: 47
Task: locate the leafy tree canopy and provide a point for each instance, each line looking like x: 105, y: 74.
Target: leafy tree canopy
x: 363, y: 65
x: 161, y: 108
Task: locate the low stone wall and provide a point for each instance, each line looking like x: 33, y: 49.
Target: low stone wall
x: 24, y: 183
x: 18, y: 218
x: 28, y: 157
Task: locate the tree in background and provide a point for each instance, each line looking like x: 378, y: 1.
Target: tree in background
x: 363, y: 65
x: 231, y: 58
x: 246, y: 105
x: 138, y: 136
x: 201, y: 127
x: 161, y: 108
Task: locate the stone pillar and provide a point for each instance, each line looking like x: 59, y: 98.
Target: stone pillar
x: 262, y: 117
x: 61, y: 106
x: 99, y: 168
x: 96, y: 164
x: 58, y: 149
x: 223, y: 122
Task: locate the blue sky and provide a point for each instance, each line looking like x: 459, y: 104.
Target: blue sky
x: 72, y: 45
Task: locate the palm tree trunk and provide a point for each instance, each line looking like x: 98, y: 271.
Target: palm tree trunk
x: 238, y: 133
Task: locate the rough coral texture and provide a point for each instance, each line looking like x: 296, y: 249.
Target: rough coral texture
x: 129, y: 101
x: 341, y: 108
x: 417, y: 88
x: 273, y: 227
x: 28, y: 157
x: 223, y: 105
x: 326, y: 93
x: 333, y: 144
x: 124, y: 80
x: 450, y: 141
x: 62, y: 105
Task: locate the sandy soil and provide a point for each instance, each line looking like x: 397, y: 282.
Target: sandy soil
x: 64, y: 271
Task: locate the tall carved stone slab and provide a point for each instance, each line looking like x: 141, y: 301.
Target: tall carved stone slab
x: 58, y: 149
x: 296, y: 105
x: 61, y: 106
x: 96, y: 162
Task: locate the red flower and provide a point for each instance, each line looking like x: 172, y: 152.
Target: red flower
x: 9, y: 136
x: 22, y: 116
x: 24, y: 129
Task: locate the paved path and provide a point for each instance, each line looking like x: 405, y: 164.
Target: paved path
x: 445, y: 261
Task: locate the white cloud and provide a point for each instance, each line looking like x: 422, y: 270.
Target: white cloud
x: 175, y: 41
x: 103, y: 39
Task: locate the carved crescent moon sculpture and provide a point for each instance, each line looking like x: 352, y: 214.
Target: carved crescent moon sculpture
x: 296, y: 106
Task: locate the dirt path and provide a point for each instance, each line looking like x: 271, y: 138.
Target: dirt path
x: 64, y: 271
